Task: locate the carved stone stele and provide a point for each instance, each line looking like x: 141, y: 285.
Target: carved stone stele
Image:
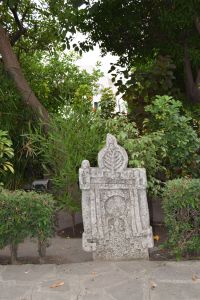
x: 114, y: 206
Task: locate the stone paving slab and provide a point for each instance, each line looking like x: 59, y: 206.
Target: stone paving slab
x: 130, y: 280
x: 60, y: 251
x: 175, y: 291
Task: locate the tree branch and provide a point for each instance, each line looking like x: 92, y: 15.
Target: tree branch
x: 197, y: 23
x: 188, y: 68
x: 21, y: 29
x: 12, y: 66
x: 192, y: 87
x: 17, y: 20
x: 198, y: 78
x: 16, y: 36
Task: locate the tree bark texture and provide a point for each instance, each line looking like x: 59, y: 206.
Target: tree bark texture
x: 192, y: 86
x: 42, y: 246
x: 12, y: 66
x: 13, y: 253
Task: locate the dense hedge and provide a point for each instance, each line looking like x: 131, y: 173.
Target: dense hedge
x: 25, y: 214
x: 181, y: 203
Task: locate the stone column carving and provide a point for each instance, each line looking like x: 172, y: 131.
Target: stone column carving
x: 114, y: 206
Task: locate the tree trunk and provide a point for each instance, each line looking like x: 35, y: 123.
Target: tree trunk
x: 13, y: 68
x: 73, y: 215
x: 192, y: 86
x: 13, y: 253
x: 42, y: 246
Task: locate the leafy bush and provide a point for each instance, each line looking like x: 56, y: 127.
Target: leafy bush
x: 57, y: 81
x: 168, y: 146
x: 145, y: 81
x: 179, y: 138
x: 22, y: 215
x: 6, y: 152
x: 143, y: 150
x: 107, y: 103
x: 72, y: 137
x: 182, y: 215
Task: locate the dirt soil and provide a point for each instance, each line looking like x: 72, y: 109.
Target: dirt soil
x: 70, y: 233
x: 157, y: 253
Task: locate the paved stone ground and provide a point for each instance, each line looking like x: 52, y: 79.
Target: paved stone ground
x: 60, y: 251
x: 87, y: 280
x: 130, y: 280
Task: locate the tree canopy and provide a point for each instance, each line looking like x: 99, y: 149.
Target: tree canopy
x: 29, y: 25
x: 38, y: 24
x: 138, y: 30
x: 37, y: 77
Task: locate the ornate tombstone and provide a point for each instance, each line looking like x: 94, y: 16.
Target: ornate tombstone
x: 114, y: 206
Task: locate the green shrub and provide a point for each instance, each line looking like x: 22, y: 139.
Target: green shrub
x: 6, y: 153
x: 107, y: 103
x: 142, y: 149
x: 22, y: 215
x: 180, y: 140
x: 181, y: 203
x: 168, y: 145
x: 73, y: 136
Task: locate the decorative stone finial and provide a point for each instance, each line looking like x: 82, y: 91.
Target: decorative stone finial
x: 112, y: 157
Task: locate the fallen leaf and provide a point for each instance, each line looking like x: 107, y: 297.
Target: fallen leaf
x: 57, y: 284
x: 93, y: 276
x: 195, y: 277
x: 153, y: 285
x: 156, y: 237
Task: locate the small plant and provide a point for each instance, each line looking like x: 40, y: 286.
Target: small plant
x: 143, y: 150
x: 182, y: 215
x: 6, y: 153
x: 180, y: 140
x: 168, y: 146
x: 72, y: 137
x: 23, y: 215
x: 107, y: 103
x: 72, y: 204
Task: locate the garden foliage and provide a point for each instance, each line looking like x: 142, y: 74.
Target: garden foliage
x: 179, y: 139
x: 168, y: 145
x: 23, y: 215
x: 145, y: 81
x: 73, y: 136
x: 107, y: 103
x: 142, y: 29
x: 57, y: 81
x: 182, y: 215
x: 6, y: 153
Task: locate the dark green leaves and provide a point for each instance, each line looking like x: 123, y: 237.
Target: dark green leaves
x: 25, y: 214
x: 6, y: 153
x: 182, y: 215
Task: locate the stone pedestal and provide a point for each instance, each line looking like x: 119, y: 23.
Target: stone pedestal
x: 114, y: 206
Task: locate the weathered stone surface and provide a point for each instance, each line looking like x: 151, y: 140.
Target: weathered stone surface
x: 132, y: 290
x: 114, y: 206
x: 117, y: 281
x: 26, y: 273
x: 184, y: 272
x: 169, y: 290
x: 10, y: 291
